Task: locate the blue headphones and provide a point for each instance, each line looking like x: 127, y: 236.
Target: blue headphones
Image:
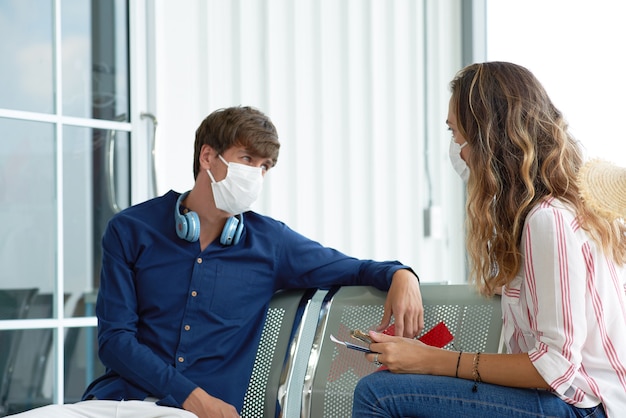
x: 188, y: 225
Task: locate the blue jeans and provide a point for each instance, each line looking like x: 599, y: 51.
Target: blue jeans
x: 384, y: 394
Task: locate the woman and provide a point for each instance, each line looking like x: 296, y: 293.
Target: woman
x: 559, y: 263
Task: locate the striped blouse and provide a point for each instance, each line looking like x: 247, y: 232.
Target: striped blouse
x: 566, y: 308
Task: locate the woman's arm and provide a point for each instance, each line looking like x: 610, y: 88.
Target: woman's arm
x: 403, y: 355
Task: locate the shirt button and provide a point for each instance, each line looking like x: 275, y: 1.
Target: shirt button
x: 187, y: 327
x: 181, y: 359
x: 194, y: 293
x: 199, y: 260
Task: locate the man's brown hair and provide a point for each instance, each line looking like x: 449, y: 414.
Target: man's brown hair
x: 237, y: 126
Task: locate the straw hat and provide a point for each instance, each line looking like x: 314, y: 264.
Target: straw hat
x: 603, y: 186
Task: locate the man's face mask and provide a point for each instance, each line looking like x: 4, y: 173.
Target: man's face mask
x: 458, y: 163
x: 239, y: 189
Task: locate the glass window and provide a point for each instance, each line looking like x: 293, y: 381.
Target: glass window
x: 28, y: 204
x: 95, y: 59
x: 96, y: 170
x: 63, y: 173
x: 26, y: 73
x: 82, y: 364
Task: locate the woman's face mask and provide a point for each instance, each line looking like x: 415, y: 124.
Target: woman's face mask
x: 239, y: 189
x: 458, y: 163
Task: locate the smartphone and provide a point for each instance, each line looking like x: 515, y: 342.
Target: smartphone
x: 362, y: 336
x: 350, y: 345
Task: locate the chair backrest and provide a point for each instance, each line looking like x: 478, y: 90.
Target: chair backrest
x: 269, y: 380
x: 14, y: 304
x: 474, y: 320
x: 333, y: 370
x: 32, y: 360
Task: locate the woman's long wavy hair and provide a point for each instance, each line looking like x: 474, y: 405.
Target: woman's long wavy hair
x: 520, y: 153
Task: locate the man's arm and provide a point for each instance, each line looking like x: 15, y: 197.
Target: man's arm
x: 119, y: 348
x: 306, y: 263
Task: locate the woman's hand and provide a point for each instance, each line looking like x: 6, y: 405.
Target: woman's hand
x: 401, y: 355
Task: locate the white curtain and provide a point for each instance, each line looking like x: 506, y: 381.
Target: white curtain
x: 358, y: 90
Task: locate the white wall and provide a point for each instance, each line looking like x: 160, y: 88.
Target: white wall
x: 346, y: 83
x: 576, y: 49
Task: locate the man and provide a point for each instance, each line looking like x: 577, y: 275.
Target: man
x: 186, y: 282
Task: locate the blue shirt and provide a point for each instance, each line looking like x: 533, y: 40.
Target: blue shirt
x: 172, y: 317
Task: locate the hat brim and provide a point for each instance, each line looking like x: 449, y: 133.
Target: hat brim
x: 602, y: 186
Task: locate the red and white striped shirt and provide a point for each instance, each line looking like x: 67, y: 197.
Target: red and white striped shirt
x: 566, y: 308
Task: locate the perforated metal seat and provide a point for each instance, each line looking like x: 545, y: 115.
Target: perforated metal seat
x: 333, y: 370
x: 269, y: 382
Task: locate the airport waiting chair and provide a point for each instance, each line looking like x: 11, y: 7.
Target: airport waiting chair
x: 269, y: 383
x: 14, y: 304
x: 31, y: 360
x: 333, y: 370
x: 299, y: 371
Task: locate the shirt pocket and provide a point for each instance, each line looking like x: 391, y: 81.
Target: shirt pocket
x: 237, y: 293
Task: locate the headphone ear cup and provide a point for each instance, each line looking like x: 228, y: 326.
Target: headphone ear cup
x: 181, y: 227
x: 193, y: 226
x: 228, y: 233
x: 187, y: 225
x: 232, y: 230
x: 239, y: 230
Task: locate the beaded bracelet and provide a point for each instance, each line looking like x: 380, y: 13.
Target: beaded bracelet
x: 475, y: 372
x: 458, y: 361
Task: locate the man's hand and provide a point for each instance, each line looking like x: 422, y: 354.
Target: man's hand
x: 206, y: 406
x: 404, y: 303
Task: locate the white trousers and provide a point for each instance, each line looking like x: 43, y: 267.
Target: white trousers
x: 107, y: 409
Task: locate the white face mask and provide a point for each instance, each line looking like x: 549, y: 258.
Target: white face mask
x: 458, y: 163
x: 239, y: 189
